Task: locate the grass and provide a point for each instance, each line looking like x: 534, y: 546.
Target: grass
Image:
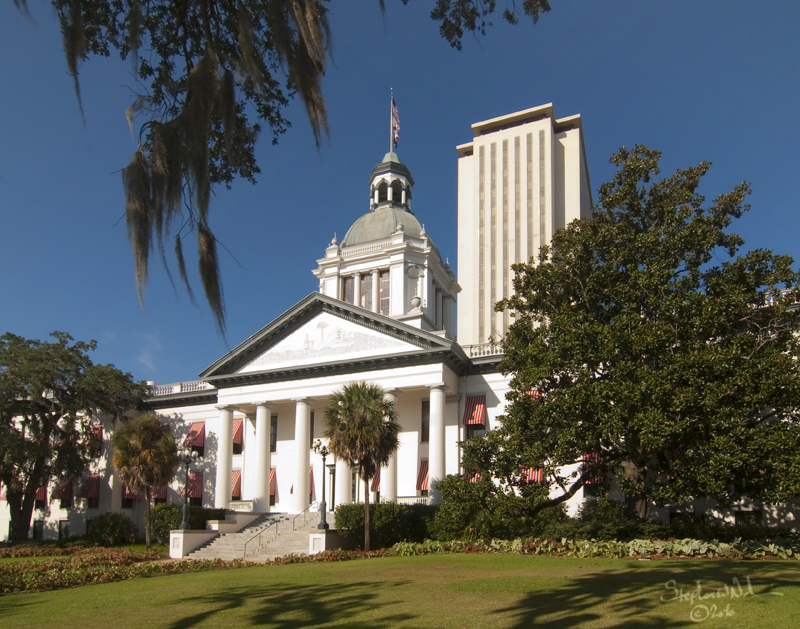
x: 498, y: 591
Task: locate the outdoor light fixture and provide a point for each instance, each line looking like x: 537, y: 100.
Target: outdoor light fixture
x: 188, y: 457
x: 323, y: 452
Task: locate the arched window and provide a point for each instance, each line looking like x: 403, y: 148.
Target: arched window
x: 397, y: 192
x: 383, y: 192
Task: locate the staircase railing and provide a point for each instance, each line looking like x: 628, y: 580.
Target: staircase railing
x: 303, y: 513
x: 259, y: 534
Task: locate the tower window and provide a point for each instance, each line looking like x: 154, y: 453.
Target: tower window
x: 383, y: 192
x: 384, y: 281
x: 348, y: 289
x: 397, y: 192
x: 366, y: 291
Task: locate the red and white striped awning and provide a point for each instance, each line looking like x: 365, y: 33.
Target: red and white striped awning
x: 195, y: 485
x: 474, y: 478
x: 91, y: 487
x: 41, y: 492
x: 196, y: 436
x: 310, y: 482
x: 63, y: 490
x: 590, y: 461
x: 422, y: 477
x: 238, y: 430
x: 376, y: 481
x: 236, y: 484
x: 533, y: 475
x: 475, y: 410
x: 129, y: 494
x: 158, y: 493
x: 273, y: 482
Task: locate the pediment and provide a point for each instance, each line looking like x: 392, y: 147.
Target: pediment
x: 320, y: 334
x: 326, y: 338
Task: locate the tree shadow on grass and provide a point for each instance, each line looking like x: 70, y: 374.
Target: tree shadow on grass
x: 641, y: 597
x: 286, y: 606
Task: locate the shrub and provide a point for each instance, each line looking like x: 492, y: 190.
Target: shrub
x: 390, y: 523
x: 111, y: 529
x: 167, y: 517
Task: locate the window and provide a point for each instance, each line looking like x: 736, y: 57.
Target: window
x: 38, y: 529
x: 196, y: 439
x: 475, y: 430
x: 128, y: 496
x: 273, y: 487
x: 354, y: 487
x: 65, y: 503
x: 311, y: 431
x: 366, y: 291
x: 236, y: 484
x: 422, y: 478
x: 39, y: 504
x: 127, y: 503
x: 63, y: 529
x: 748, y: 518
x: 384, y: 282
x: 348, y: 289
x: 91, y: 492
x: 195, y: 489
x: 238, y: 435
x: 63, y: 493
x: 273, y: 433
x: 425, y: 428
x: 93, y: 503
x: 41, y: 497
x: 475, y: 416
x: 95, y: 442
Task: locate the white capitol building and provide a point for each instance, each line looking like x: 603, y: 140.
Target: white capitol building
x: 387, y: 310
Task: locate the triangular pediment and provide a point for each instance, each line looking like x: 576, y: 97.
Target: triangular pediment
x: 321, y: 333
x: 326, y: 338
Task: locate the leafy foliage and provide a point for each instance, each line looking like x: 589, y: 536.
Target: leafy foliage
x: 389, y: 523
x: 456, y: 16
x: 51, y: 396
x: 680, y: 373
x: 145, y: 457
x: 112, y: 529
x: 361, y: 428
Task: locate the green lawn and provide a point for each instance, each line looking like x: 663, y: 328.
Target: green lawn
x: 456, y: 591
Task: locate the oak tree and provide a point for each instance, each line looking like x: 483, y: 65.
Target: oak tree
x: 645, y: 349
x: 51, y: 398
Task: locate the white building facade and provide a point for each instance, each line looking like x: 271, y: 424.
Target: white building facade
x: 386, y: 311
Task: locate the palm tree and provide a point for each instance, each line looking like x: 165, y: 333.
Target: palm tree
x: 145, y: 456
x: 362, y: 429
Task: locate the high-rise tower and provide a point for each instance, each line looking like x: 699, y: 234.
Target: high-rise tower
x: 521, y: 178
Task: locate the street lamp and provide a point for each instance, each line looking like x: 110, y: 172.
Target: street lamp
x: 188, y: 457
x: 323, y: 452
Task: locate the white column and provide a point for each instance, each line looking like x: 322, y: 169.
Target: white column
x: 389, y: 473
x: 436, y: 444
x: 376, y: 290
x: 222, y: 491
x: 344, y: 486
x: 261, y: 490
x: 302, y: 453
x: 357, y: 289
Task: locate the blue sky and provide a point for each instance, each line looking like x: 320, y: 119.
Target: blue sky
x: 714, y: 80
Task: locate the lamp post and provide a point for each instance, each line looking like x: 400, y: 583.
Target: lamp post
x: 188, y: 457
x: 323, y: 452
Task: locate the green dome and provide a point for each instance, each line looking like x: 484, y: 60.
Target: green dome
x: 381, y: 223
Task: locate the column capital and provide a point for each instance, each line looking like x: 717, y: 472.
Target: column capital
x: 267, y: 405
x: 300, y: 400
x: 438, y: 385
x: 392, y: 392
x: 225, y: 407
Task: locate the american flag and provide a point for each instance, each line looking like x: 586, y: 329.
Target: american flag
x: 395, y: 123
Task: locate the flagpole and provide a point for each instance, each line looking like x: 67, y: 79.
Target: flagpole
x: 391, y: 120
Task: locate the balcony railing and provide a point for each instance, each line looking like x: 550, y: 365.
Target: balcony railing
x: 483, y: 349
x: 179, y: 387
x: 410, y: 500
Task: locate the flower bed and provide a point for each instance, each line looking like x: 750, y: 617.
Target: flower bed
x: 97, y: 565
